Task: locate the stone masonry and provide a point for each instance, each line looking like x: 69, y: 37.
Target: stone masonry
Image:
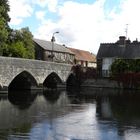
x: 11, y: 67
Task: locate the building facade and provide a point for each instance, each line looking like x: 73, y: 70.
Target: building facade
x: 45, y: 50
x: 84, y: 58
x: 108, y: 52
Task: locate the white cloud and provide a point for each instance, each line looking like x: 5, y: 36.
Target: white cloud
x: 82, y: 26
x: 78, y: 25
x: 40, y: 15
x: 52, y: 5
x: 130, y: 15
x: 19, y: 10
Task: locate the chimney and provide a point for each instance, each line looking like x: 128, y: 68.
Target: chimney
x: 135, y: 41
x: 122, y: 40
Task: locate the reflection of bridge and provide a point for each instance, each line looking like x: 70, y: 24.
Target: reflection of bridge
x: 25, y: 73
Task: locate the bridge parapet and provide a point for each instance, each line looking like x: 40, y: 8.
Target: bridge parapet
x: 11, y: 67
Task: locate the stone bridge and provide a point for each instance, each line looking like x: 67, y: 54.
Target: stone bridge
x: 27, y: 73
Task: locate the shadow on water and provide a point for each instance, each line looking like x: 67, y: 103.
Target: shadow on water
x: 22, y: 99
x: 79, y: 96
x: 90, y: 111
x: 123, y: 105
x: 52, y: 95
x: 116, y: 110
x: 119, y: 108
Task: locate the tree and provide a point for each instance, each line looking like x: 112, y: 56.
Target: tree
x: 4, y: 9
x: 119, y: 66
x: 27, y: 39
x: 17, y: 49
x: 4, y: 28
x: 127, y: 72
x: 23, y: 41
x: 134, y: 65
x: 13, y: 42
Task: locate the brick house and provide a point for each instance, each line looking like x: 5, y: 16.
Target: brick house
x: 108, y: 52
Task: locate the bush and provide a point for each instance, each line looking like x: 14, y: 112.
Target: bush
x: 126, y: 72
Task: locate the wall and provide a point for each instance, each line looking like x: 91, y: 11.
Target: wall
x: 11, y: 67
x: 106, y: 63
x: 60, y: 57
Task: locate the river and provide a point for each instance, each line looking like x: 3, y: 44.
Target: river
x: 88, y: 114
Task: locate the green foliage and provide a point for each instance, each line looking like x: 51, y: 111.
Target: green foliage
x: 27, y: 39
x: 122, y: 66
x: 4, y: 9
x: 119, y: 66
x: 134, y: 65
x: 127, y: 72
x: 15, y: 43
x: 17, y: 49
x: 4, y: 28
x: 3, y: 36
x: 23, y: 41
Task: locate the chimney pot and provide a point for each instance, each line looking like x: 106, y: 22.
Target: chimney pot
x: 122, y: 40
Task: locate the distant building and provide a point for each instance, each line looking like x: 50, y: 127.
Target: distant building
x: 108, y: 52
x: 43, y: 51
x: 84, y: 58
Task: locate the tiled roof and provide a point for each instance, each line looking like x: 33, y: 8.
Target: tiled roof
x: 83, y: 55
x: 47, y: 45
x: 130, y: 51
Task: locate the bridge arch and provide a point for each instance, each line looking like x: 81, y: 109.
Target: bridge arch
x: 23, y: 80
x: 71, y: 80
x: 11, y: 68
x: 52, y: 80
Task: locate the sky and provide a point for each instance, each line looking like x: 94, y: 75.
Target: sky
x: 82, y: 24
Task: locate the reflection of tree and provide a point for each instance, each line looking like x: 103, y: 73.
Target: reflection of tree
x: 21, y: 99
x: 119, y: 110
x: 125, y: 107
x: 76, y: 98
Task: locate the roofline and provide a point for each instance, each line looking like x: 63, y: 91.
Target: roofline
x: 54, y: 44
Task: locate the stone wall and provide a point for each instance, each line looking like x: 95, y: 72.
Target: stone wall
x: 11, y: 67
x: 101, y: 83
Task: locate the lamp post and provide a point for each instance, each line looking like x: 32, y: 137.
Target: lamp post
x: 53, y: 40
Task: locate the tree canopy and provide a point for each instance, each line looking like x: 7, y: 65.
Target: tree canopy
x: 14, y: 43
x: 120, y: 66
x: 4, y: 28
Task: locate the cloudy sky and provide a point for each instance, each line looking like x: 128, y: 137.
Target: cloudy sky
x: 82, y: 24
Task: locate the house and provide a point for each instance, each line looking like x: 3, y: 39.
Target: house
x: 84, y: 58
x: 108, y: 52
x: 45, y: 50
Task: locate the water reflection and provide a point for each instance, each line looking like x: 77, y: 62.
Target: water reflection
x: 124, y: 106
x: 22, y: 99
x: 52, y: 95
x: 119, y: 114
x: 91, y: 114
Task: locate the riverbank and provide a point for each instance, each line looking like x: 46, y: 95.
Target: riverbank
x: 101, y: 83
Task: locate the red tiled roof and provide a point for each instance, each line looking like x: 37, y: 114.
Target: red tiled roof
x: 83, y: 55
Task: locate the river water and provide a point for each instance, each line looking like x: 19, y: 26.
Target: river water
x: 88, y: 114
